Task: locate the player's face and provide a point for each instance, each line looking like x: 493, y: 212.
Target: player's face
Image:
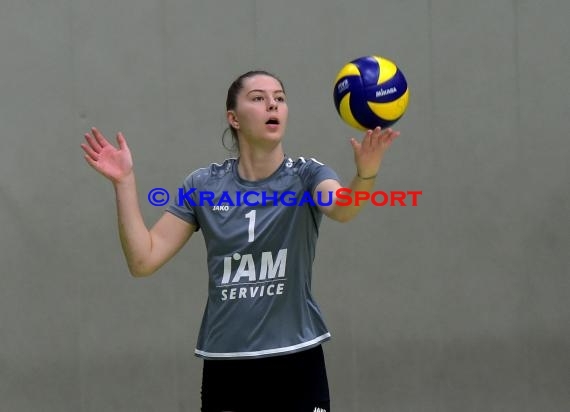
x: 261, y: 110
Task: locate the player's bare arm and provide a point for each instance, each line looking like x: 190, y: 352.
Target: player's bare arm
x: 145, y: 250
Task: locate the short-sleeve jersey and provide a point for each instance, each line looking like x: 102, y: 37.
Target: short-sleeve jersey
x: 260, y: 240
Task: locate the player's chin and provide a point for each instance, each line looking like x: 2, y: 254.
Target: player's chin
x: 274, y: 134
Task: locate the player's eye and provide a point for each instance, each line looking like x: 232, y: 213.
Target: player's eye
x: 280, y: 99
x: 257, y: 98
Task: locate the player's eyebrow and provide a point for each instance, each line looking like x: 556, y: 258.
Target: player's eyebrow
x: 265, y: 91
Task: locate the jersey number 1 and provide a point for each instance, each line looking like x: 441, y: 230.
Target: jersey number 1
x: 251, y: 227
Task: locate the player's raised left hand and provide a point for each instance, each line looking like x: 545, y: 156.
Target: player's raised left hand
x: 369, y: 152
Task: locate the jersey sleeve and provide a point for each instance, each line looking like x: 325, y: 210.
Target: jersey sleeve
x: 184, y: 204
x: 314, y: 172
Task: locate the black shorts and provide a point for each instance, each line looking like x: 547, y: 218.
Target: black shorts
x: 292, y: 383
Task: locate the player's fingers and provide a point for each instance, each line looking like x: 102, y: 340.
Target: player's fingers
x: 91, y: 162
x: 384, y: 133
x: 355, y: 144
x: 93, y: 144
x: 388, y: 136
x: 90, y: 152
x: 379, y: 133
x: 99, y: 137
x: 121, y: 141
x: 392, y: 136
x: 375, y: 137
x: 389, y: 140
x: 367, y: 141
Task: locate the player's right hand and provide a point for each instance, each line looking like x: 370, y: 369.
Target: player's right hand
x: 115, y: 164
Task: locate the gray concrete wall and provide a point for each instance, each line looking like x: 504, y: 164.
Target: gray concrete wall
x: 460, y: 303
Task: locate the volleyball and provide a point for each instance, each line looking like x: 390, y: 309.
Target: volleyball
x: 371, y: 91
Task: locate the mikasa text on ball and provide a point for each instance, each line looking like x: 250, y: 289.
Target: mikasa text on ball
x: 371, y: 91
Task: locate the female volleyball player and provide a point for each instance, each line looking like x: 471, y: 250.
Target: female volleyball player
x: 261, y: 331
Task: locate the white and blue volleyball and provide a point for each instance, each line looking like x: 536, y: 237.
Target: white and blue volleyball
x: 371, y: 91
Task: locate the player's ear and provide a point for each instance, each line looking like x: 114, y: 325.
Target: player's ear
x: 232, y: 119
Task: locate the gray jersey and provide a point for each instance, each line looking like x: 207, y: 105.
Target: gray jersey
x: 260, y: 238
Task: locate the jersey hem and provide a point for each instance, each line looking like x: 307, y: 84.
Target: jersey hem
x: 263, y: 353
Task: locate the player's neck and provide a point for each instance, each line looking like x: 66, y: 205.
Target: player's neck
x: 256, y: 165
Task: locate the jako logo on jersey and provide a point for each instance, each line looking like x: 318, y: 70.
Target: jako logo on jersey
x: 319, y: 410
x: 220, y: 208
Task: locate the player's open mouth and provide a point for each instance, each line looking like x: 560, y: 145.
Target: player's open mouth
x: 273, y: 120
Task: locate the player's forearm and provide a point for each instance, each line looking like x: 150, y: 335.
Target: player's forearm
x: 349, y: 203
x: 133, y: 233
